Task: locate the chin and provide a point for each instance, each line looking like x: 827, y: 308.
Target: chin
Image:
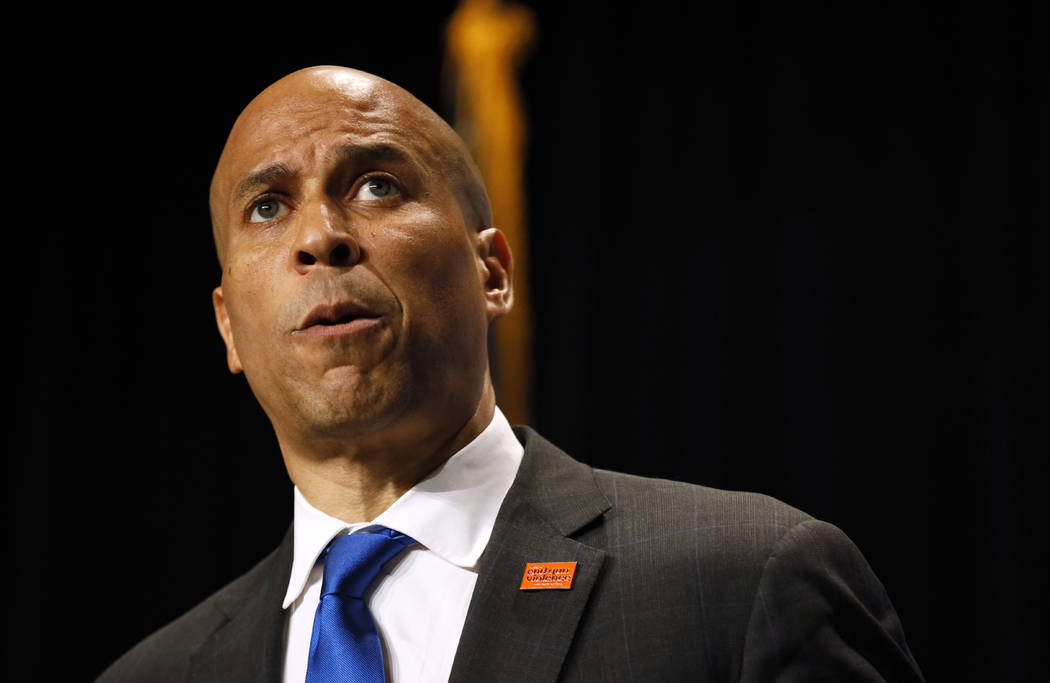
x: 352, y: 411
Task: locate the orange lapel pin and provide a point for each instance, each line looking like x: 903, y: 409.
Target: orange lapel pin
x: 548, y: 575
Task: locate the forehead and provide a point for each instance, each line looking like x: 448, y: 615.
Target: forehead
x: 305, y: 120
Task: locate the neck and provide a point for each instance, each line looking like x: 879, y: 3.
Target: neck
x: 355, y: 480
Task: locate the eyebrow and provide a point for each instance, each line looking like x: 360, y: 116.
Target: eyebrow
x: 367, y: 154
x: 361, y: 155
x: 264, y: 177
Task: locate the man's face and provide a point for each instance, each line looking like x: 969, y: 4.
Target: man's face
x: 353, y: 289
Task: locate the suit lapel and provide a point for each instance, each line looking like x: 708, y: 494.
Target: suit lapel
x: 515, y: 634
x: 249, y: 645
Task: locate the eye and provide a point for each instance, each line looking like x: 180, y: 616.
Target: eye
x: 267, y: 209
x: 377, y: 187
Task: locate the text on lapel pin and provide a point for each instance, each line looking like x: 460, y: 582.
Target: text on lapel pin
x: 548, y: 575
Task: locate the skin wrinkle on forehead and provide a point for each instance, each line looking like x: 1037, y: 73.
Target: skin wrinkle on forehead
x: 371, y: 103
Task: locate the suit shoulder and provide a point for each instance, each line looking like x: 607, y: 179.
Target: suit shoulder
x: 822, y: 612
x: 707, y: 506
x: 165, y: 654
x: 730, y: 531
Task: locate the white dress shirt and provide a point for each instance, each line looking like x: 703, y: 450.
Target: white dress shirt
x: 419, y: 600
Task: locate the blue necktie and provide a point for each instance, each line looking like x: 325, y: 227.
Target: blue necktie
x: 345, y: 643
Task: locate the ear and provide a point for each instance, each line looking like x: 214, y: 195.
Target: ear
x: 496, y: 267
x: 222, y: 319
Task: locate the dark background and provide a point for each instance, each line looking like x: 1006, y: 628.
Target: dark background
x: 782, y: 248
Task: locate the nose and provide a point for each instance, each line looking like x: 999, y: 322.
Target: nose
x: 325, y: 238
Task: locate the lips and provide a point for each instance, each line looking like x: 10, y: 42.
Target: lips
x: 343, y: 317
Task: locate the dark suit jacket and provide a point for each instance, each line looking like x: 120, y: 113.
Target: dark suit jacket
x: 673, y: 582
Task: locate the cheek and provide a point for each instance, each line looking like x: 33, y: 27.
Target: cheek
x: 430, y: 267
x: 255, y: 264
x: 435, y: 273
x: 250, y: 300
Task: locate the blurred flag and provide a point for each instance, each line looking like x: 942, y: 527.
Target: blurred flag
x: 486, y: 42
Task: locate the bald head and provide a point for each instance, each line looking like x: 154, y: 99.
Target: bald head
x: 299, y: 104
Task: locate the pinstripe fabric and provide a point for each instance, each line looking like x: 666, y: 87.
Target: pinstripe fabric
x: 674, y: 582
x: 693, y: 584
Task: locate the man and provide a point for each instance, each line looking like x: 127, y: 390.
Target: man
x: 360, y: 272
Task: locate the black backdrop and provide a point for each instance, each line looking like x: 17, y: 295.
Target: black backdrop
x: 774, y: 248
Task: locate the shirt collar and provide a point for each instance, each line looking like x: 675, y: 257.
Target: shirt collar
x: 451, y: 512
